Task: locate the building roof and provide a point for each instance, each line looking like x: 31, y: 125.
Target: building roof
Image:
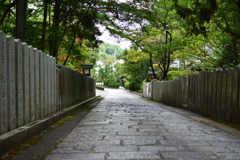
x: 88, y: 66
x: 155, y: 72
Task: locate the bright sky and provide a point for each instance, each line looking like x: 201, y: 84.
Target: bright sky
x: 106, y: 37
x: 110, y: 39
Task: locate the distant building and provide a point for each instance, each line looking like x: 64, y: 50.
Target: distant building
x: 86, y: 69
x: 151, y: 75
x: 175, y: 63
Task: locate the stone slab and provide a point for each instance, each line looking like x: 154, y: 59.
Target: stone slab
x: 82, y: 156
x: 26, y: 84
x: 133, y: 155
x: 3, y: 84
x: 11, y: 86
x: 32, y: 88
x: 19, y: 82
x: 108, y: 149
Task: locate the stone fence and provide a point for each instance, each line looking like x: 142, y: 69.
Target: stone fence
x: 33, y: 87
x: 215, y: 94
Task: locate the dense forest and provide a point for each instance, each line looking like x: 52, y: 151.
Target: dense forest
x: 199, y: 34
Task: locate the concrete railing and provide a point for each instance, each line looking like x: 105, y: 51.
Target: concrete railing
x: 147, y: 90
x: 214, y: 94
x: 99, y: 83
x: 32, y: 87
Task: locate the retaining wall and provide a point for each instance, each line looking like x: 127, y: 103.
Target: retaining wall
x: 214, y: 94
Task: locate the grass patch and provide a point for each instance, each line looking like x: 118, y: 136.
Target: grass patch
x: 148, y: 100
x: 22, y: 147
x: 63, y: 120
x: 235, y: 126
x: 100, y: 88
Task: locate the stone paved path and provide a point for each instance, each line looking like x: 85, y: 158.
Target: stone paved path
x: 125, y: 126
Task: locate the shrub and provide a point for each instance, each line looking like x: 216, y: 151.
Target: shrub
x: 134, y: 86
x: 100, y: 87
x: 131, y: 86
x: 106, y: 82
x: 137, y: 86
x: 117, y: 85
x: 146, y: 80
x: 123, y: 82
x: 126, y: 85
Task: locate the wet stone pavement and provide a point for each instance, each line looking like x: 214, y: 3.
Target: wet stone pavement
x: 126, y: 126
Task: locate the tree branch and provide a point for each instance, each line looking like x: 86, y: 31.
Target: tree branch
x: 6, y: 11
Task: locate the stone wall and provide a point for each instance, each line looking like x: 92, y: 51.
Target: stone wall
x: 32, y: 87
x: 73, y: 87
x: 214, y: 94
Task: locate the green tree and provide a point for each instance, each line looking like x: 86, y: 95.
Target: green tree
x: 218, y: 22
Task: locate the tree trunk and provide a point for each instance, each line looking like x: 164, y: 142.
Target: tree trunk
x: 55, y: 31
x: 166, y: 58
x: 70, y: 50
x: 44, y: 26
x: 151, y: 63
x: 20, y: 18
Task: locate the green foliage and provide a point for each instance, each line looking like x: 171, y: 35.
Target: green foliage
x: 203, y: 35
x: 105, y: 56
x: 62, y: 28
x: 146, y: 80
x: 100, y: 87
x: 218, y: 22
x: 175, y: 73
x: 132, y: 86
x: 107, y: 51
x: 126, y: 85
x: 117, y: 85
x: 124, y: 82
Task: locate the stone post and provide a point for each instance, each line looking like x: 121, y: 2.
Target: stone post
x: 46, y: 85
x: 223, y: 109
x: 60, y: 88
x: 57, y: 87
x: 209, y: 94
x: 67, y: 98
x: 42, y: 55
x: 190, y: 92
x: 54, y: 84
x: 32, y: 85
x: 66, y: 87
x: 12, y: 112
x: 26, y: 84
x: 236, y: 93
x: 49, y: 85
x: 229, y: 95
x: 3, y: 84
x: 19, y: 84
x: 37, y: 83
x: 219, y: 94
x: 63, y: 87
x: 214, y: 94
